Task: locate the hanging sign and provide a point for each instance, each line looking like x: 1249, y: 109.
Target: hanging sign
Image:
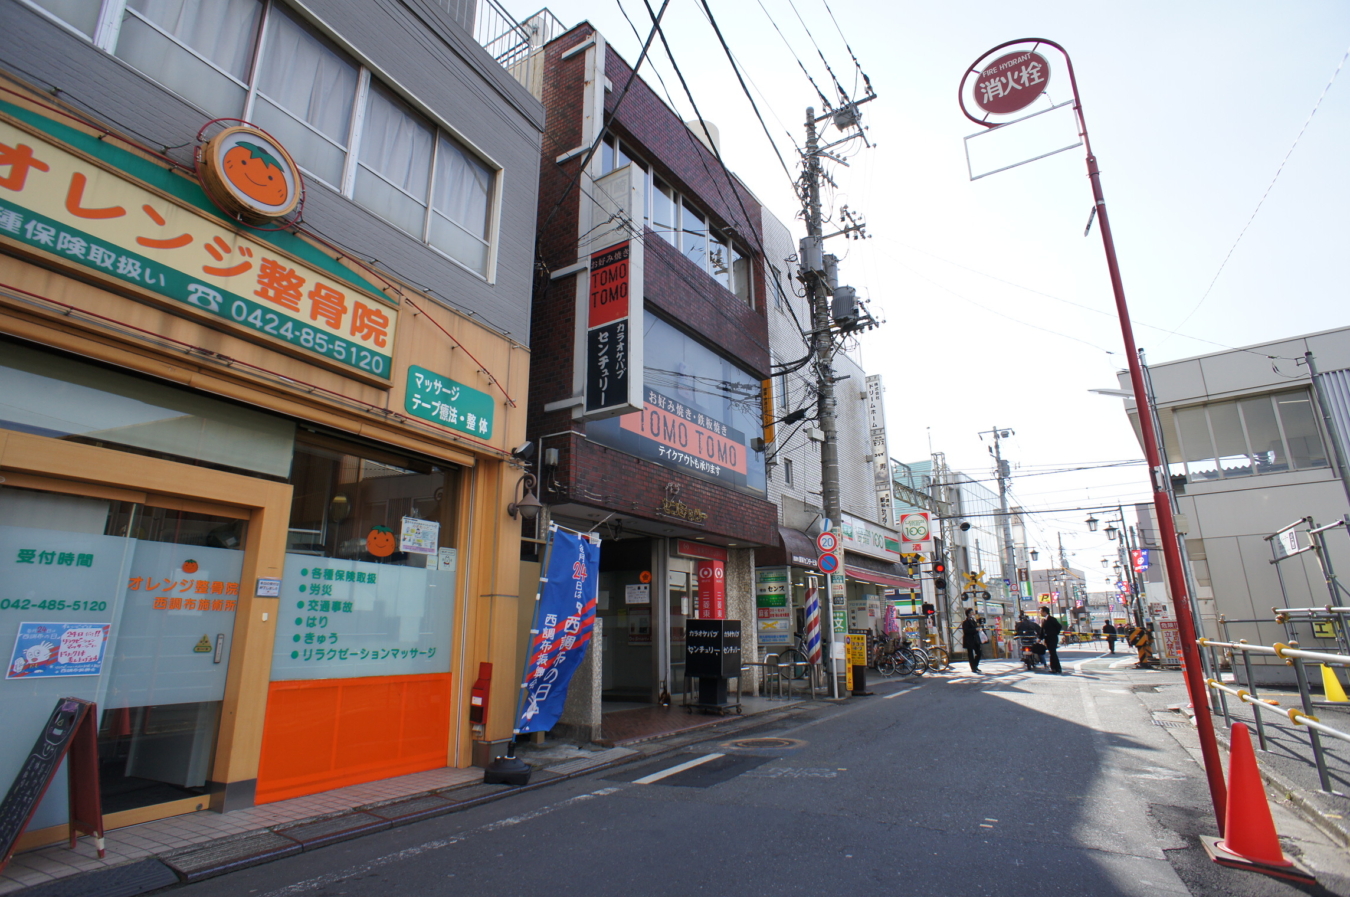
x: 1139, y: 558
x: 564, y: 621
x: 439, y: 399
x: 916, y: 528
x: 613, y: 360
x: 1012, y: 82
x: 247, y: 173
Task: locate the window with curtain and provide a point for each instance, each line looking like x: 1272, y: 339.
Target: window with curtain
x: 199, y: 49
x: 306, y: 91
x: 395, y: 161
x: 395, y: 167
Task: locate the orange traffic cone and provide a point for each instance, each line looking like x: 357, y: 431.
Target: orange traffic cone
x: 1249, y: 841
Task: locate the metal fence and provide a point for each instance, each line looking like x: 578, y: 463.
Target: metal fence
x: 515, y: 45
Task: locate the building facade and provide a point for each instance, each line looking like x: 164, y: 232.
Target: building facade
x: 1250, y: 452
x: 653, y: 346
x: 264, y: 383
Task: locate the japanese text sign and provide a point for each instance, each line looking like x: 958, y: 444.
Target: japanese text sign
x: 1012, y: 82
x: 441, y: 400
x: 57, y: 649
x: 81, y: 214
x: 613, y: 369
x: 564, y: 621
x: 712, y: 590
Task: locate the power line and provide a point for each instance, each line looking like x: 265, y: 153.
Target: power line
x: 800, y: 65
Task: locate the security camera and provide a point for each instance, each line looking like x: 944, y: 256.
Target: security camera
x: 525, y: 452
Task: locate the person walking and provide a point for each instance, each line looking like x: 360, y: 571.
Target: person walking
x: 1050, y: 630
x: 970, y: 640
x: 1109, y: 630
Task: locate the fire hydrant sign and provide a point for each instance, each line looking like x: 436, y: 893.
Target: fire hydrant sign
x: 57, y: 649
x: 1012, y: 82
x: 439, y: 399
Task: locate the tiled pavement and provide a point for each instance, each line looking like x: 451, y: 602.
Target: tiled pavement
x: 188, y: 842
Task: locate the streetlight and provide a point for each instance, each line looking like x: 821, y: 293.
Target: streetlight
x: 1092, y: 524
x: 1111, y: 531
x: 1034, y: 554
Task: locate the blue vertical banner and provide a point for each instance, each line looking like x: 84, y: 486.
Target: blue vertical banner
x: 564, y: 622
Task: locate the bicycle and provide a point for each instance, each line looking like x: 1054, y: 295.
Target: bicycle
x: 794, y: 660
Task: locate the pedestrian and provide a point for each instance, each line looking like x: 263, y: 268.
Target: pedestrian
x: 1050, y: 630
x: 970, y: 639
x: 1109, y: 630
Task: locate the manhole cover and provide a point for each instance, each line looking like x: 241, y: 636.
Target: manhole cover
x: 761, y: 744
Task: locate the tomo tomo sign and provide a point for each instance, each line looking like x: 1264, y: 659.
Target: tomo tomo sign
x: 1012, y: 82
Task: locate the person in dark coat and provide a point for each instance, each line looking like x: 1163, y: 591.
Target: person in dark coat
x: 970, y: 640
x: 1050, y: 630
x: 1109, y: 630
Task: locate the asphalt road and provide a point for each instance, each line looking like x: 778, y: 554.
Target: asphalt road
x: 1006, y: 783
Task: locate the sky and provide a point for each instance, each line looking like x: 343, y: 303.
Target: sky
x: 995, y: 309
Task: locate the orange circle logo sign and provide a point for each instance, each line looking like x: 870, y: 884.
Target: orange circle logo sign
x: 248, y: 174
x: 380, y: 541
x: 645, y: 576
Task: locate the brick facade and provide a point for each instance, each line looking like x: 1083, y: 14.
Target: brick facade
x: 675, y: 288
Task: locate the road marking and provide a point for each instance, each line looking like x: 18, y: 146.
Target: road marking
x: 1120, y: 664
x: 320, y: 881
x: 658, y: 776
x: 900, y: 692
x: 1078, y: 667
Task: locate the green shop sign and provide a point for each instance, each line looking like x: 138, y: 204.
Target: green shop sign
x: 442, y: 401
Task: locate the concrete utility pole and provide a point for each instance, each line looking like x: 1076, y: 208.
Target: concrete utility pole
x: 1009, y: 562
x: 832, y: 305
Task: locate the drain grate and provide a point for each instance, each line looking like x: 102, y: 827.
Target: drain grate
x: 1171, y: 724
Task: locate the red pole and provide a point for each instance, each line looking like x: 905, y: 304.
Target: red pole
x: 1176, y: 579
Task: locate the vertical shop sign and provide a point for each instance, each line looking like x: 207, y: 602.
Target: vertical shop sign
x: 564, y: 621
x: 773, y: 616
x: 881, y: 451
x: 613, y: 361
x: 712, y: 590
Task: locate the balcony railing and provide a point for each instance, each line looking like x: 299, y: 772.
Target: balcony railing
x: 515, y: 45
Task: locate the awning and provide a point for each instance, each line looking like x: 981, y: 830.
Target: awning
x: 881, y: 579
x: 795, y: 548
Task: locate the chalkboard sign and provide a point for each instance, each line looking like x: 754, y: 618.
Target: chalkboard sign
x: 69, y: 730
x: 712, y: 649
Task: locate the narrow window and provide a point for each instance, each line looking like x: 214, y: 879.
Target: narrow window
x: 1300, y: 430
x: 306, y: 90
x: 787, y: 471
x: 664, y: 206
x: 200, y: 50
x: 719, y: 260
x: 459, y: 205
x: 395, y: 161
x: 740, y: 276
x: 694, y: 236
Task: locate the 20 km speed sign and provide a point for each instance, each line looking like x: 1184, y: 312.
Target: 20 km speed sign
x: 827, y: 542
x: 916, y: 529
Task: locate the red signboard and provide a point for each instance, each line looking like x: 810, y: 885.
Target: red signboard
x: 712, y: 590
x: 703, y: 443
x: 609, y: 286
x: 1012, y: 82
x: 688, y: 549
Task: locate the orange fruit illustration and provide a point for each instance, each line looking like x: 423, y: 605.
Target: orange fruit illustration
x: 380, y: 541
x: 256, y: 173
x: 189, y: 566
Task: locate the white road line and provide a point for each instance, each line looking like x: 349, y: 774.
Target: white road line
x: 310, y: 884
x: 901, y: 692
x: 658, y: 776
x: 1078, y: 667
x: 1124, y: 662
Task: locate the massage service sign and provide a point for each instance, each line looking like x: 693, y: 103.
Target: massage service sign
x: 74, y: 210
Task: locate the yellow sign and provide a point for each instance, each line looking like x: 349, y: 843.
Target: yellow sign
x: 857, y: 650
x: 975, y: 581
x: 203, y: 646
x: 1325, y: 629
x: 1043, y: 597
x: 74, y: 211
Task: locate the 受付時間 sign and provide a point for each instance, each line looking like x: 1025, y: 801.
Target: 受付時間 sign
x: 611, y: 374
x: 82, y: 215
x: 441, y: 400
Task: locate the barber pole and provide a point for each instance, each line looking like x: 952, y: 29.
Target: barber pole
x: 813, y: 625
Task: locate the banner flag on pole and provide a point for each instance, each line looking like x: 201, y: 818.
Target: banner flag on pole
x: 564, y: 621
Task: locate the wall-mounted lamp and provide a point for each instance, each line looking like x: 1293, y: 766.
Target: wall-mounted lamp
x: 528, y: 505
x: 1092, y: 524
x: 1111, y: 531
x: 1106, y: 562
x: 1034, y: 554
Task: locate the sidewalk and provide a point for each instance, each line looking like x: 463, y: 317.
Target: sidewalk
x: 200, y: 845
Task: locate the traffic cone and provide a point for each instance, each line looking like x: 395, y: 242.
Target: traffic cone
x: 1331, y: 685
x: 1249, y: 840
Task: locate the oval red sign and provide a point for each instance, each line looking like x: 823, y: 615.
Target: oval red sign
x: 1012, y: 82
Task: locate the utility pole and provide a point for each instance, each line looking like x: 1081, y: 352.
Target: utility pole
x: 832, y: 305
x: 1009, y: 562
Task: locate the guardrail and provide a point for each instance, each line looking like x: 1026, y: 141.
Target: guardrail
x: 1295, y: 657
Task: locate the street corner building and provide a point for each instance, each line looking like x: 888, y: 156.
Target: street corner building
x: 651, y: 358
x: 265, y: 296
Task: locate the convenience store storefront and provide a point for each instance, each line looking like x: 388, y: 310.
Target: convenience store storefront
x: 246, y: 532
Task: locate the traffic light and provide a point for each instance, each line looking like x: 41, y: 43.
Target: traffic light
x: 939, y: 575
x: 929, y: 611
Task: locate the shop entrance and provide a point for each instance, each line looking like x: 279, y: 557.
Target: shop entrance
x: 129, y: 604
